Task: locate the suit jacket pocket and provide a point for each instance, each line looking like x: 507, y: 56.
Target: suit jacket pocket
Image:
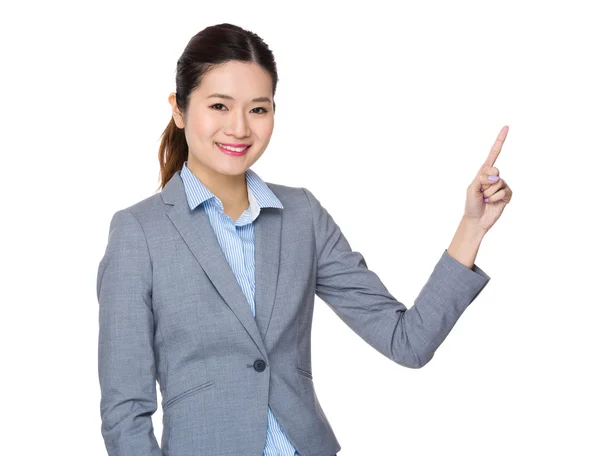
x: 304, y: 372
x: 187, y: 393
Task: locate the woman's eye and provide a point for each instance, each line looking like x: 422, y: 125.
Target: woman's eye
x: 219, y: 106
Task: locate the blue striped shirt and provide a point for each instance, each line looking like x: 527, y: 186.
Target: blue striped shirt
x: 237, y: 241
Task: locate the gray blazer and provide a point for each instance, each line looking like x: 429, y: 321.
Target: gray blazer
x: 172, y: 311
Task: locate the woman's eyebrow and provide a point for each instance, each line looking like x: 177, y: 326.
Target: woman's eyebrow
x: 229, y: 97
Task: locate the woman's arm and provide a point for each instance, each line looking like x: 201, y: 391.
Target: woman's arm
x: 465, y: 243
x: 409, y: 337
x: 126, y: 366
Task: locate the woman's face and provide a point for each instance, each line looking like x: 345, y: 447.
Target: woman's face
x: 232, y: 106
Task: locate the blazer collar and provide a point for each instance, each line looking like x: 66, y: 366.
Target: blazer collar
x: 194, y: 227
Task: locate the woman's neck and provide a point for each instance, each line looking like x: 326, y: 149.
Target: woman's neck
x: 232, y: 191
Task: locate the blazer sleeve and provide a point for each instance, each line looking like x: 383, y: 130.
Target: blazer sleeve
x: 409, y: 337
x: 126, y: 366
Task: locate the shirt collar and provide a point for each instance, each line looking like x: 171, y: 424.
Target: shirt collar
x: 259, y: 194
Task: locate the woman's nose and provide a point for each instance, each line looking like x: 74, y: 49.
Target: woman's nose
x: 238, y: 125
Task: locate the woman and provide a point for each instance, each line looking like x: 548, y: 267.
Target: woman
x: 208, y: 286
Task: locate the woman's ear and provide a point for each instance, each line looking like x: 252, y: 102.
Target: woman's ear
x: 177, y: 117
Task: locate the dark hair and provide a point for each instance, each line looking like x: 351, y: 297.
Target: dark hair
x: 213, y: 46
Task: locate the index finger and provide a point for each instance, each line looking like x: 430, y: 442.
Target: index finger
x: 496, y: 148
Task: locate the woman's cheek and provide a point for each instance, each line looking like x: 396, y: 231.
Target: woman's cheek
x: 265, y: 129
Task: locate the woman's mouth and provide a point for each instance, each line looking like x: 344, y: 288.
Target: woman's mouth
x: 235, y: 150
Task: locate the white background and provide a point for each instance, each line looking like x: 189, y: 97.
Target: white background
x: 385, y: 111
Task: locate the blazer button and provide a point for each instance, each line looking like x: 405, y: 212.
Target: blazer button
x: 259, y: 365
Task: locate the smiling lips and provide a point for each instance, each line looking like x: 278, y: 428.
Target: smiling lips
x: 233, y: 149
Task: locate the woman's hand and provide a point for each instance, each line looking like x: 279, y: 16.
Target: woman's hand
x: 478, y: 212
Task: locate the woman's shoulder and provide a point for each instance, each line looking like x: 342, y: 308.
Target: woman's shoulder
x: 291, y: 194
x: 147, y: 208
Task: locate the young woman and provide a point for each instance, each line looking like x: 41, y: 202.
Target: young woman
x: 208, y: 286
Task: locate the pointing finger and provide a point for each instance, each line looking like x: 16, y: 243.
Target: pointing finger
x: 496, y: 148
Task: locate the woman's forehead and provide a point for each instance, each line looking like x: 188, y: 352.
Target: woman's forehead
x: 236, y: 81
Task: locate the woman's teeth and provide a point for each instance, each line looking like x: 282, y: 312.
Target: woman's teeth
x: 233, y: 149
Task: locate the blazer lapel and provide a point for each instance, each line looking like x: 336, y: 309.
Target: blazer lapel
x: 267, y: 241
x: 197, y: 232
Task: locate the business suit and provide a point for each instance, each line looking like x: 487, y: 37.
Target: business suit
x: 171, y: 309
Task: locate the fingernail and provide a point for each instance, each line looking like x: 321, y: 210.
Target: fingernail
x: 493, y: 178
x: 486, y: 199
x: 480, y: 189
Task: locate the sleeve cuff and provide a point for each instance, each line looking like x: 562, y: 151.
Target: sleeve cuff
x: 470, y: 282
